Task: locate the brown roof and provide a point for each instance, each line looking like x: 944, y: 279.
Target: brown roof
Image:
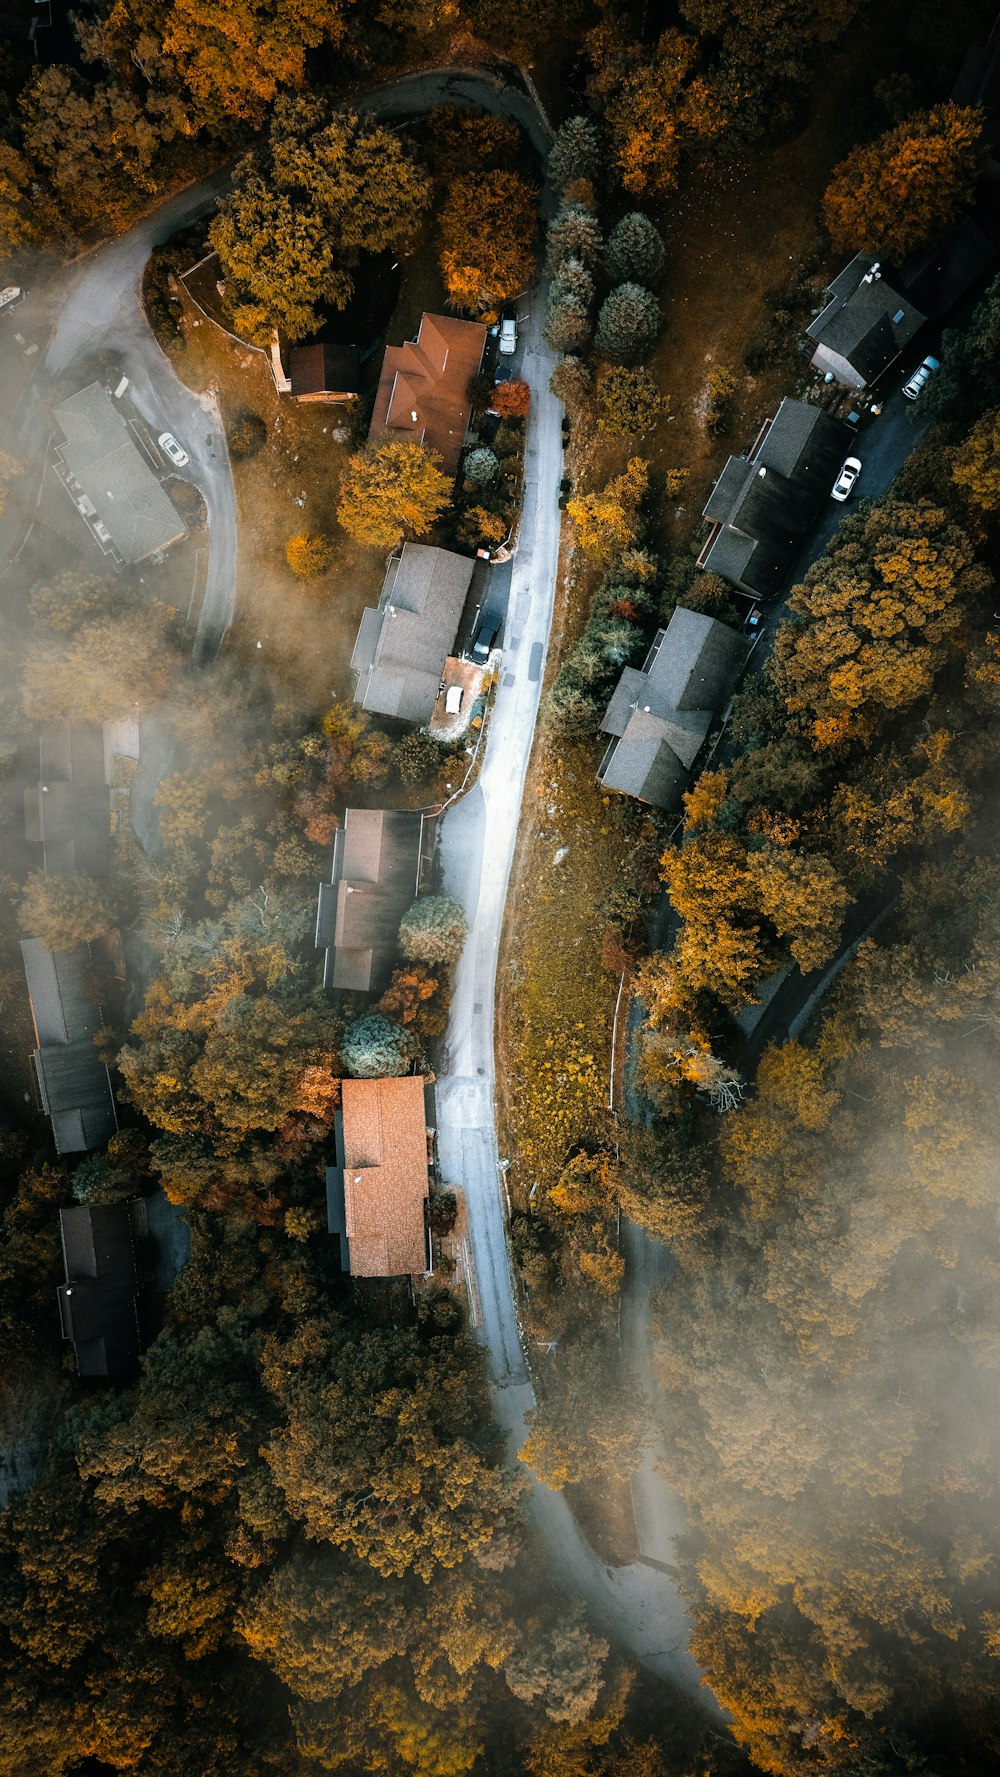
x: 385, y: 1176
x: 423, y: 394
x: 325, y: 370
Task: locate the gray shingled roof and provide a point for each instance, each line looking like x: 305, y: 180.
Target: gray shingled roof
x: 73, y: 1082
x: 100, y: 453
x: 402, y: 646
x: 859, y: 321
x: 373, y: 881
x: 68, y: 811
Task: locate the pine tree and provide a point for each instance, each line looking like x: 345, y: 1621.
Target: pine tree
x: 375, y: 1047
x: 567, y: 326
x: 635, y: 251
x: 575, y: 153
x: 574, y: 234
x: 628, y: 324
x: 572, y: 281
x: 571, y: 381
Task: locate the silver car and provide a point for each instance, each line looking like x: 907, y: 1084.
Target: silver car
x: 170, y: 448
x: 920, y: 377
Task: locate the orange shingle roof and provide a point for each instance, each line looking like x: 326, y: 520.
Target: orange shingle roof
x: 385, y: 1176
x: 422, y: 395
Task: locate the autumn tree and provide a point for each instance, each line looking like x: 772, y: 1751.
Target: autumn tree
x: 326, y: 186
x: 635, y: 252
x: 26, y: 217
x: 628, y: 324
x: 511, y: 400
x: 106, y: 667
x: 629, y: 402
x: 655, y: 102
x: 99, y: 145
x: 391, y: 490
x: 561, y: 1669
x: 68, y: 599
x: 571, y: 382
x: 434, y: 930
x: 66, y: 910
x: 590, y: 1424
x: 610, y: 521
x: 308, y: 554
x: 487, y: 236
x: 975, y: 465
x: 902, y: 190
x: 10, y: 469
x: 803, y: 899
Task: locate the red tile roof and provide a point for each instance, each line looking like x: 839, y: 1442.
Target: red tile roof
x: 423, y: 390
x: 385, y: 1176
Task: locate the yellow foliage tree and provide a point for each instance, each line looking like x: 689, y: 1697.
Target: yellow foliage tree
x: 390, y: 490
x: 609, y: 522
x: 892, y: 195
x: 975, y: 465
x: 487, y: 232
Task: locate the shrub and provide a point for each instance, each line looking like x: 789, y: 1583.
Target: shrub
x: 571, y: 382
x: 417, y: 757
x: 722, y: 386
x: 628, y: 324
x: 481, y: 466
x: 442, y: 1211
x: 477, y: 528
x: 629, y: 401
x: 434, y: 930
x: 308, y: 555
x: 375, y: 1047
x: 246, y: 434
x: 635, y: 251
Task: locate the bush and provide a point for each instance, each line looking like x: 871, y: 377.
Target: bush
x: 442, y: 1211
x: 308, y: 555
x: 635, y: 252
x: 417, y: 757
x: 571, y: 382
x: 246, y: 435
x: 434, y: 930
x: 479, y: 529
x: 628, y: 324
x: 375, y: 1047
x: 722, y: 386
x: 481, y: 466
x: 629, y: 402
x: 509, y: 440
x: 189, y: 502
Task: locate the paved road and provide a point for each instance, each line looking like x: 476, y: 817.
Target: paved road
x: 638, y: 1606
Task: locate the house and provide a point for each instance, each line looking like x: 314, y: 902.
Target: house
x: 73, y: 1082
x: 378, y: 859
x: 423, y: 391
x: 99, y: 1302
x: 325, y: 373
x: 404, y: 641
x: 109, y: 481
x: 68, y: 811
x: 763, y: 503
x: 864, y: 326
x: 660, y: 714
x: 377, y: 1191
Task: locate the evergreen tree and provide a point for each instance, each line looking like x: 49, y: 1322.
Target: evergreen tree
x: 575, y: 233
x: 572, y: 282
x: 628, y: 324
x: 635, y: 251
x: 481, y: 466
x: 434, y: 930
x: 575, y: 153
x: 376, y: 1047
x: 567, y: 326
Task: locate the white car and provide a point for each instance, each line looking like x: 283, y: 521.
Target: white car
x: 920, y: 376
x: 508, y: 335
x: 843, y: 487
x: 170, y: 448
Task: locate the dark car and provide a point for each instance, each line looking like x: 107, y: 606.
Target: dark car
x: 484, y: 640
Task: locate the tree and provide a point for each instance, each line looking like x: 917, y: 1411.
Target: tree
x: 236, y: 62
x: 406, y: 999
x: 246, y: 434
x: 26, y: 215
x: 662, y: 1183
x: 573, y: 233
x: 567, y: 324
x: 308, y: 554
x: 434, y: 930
x: 655, y: 103
x: 376, y: 1047
x: 511, y: 400
x: 572, y: 282
x: 65, y: 910
x: 326, y: 186
x: 99, y: 145
x: 417, y: 757
x: 608, y: 522
x: 590, y: 1425
x: 571, y: 382
x: 103, y: 671
x: 805, y: 901
x: 722, y: 386
x: 67, y: 600
x: 561, y: 1669
x: 902, y: 190
x: 390, y: 490
x: 477, y: 528
x: 635, y: 251
x: 481, y: 466
x: 10, y: 468
x: 975, y: 465
x: 629, y: 402
x: 628, y: 324
x: 487, y: 235
x: 575, y: 153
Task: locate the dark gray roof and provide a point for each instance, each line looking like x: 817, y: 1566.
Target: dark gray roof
x: 866, y: 321
x: 68, y: 811
x: 100, y: 454
x: 373, y: 881
x: 402, y: 646
x: 660, y: 717
x: 73, y: 1082
x: 763, y: 504
x: 99, y: 1302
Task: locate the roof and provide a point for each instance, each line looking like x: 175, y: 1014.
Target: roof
x: 100, y: 454
x: 325, y: 369
x: 373, y: 881
x: 98, y: 1303
x: 866, y: 321
x: 385, y: 1176
x: 68, y: 811
x: 660, y: 717
x: 402, y: 645
x: 762, y: 504
x: 73, y: 1081
x: 423, y: 391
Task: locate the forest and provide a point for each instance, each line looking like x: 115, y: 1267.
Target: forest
x: 295, y: 1543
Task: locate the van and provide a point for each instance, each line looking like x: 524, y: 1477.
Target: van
x: 453, y: 700
x: 122, y: 386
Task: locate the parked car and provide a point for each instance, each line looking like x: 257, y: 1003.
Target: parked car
x: 843, y: 487
x: 170, y: 448
x: 920, y: 376
x: 453, y: 700
x: 484, y: 639
x: 508, y: 333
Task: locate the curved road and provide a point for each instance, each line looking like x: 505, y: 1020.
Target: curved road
x: 101, y: 310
